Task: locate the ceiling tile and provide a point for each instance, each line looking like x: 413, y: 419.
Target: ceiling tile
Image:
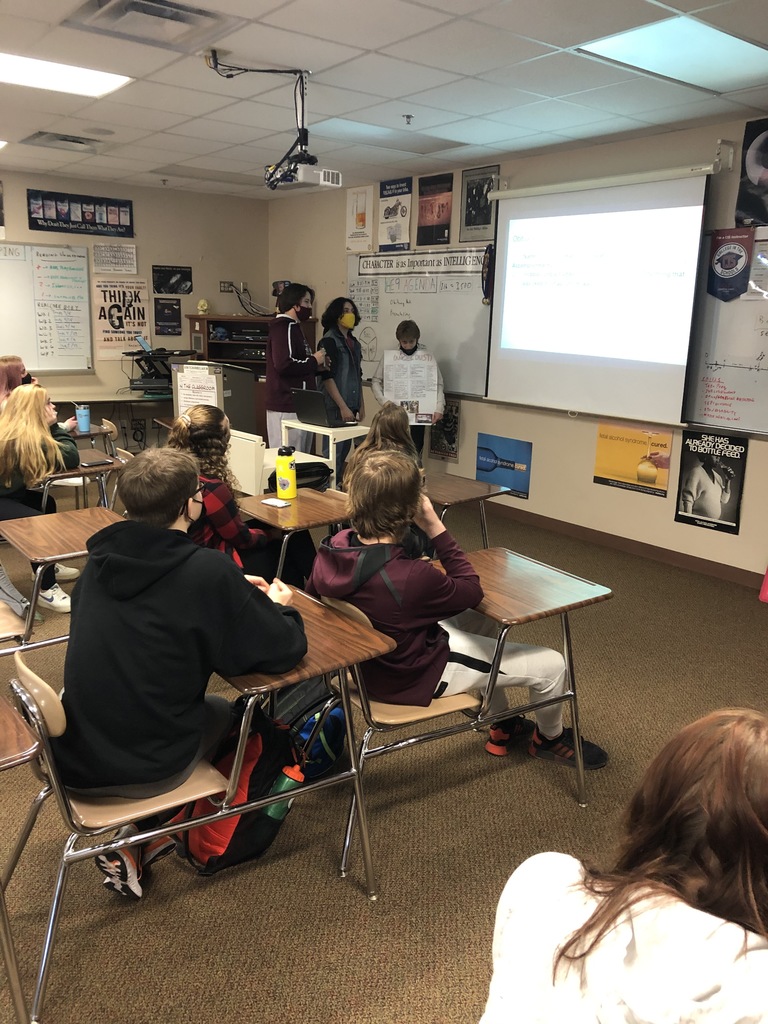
x: 216, y: 131
x: 552, y: 115
x: 555, y: 74
x: 460, y: 6
x: 609, y: 126
x: 471, y: 96
x: 473, y: 47
x: 84, y: 49
x: 477, y: 131
x: 18, y: 34
x: 194, y: 73
x: 324, y: 100
x: 384, y: 76
x: 263, y: 46
x: 745, y: 18
x: 258, y: 115
x: 636, y: 97
x: 51, y: 11
x: 168, y: 97
x: 136, y: 117
x: 355, y: 23
x: 392, y: 115
x: 565, y: 23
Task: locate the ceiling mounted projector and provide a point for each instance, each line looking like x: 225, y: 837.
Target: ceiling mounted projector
x: 304, y: 176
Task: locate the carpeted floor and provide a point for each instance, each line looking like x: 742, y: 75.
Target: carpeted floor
x: 284, y: 939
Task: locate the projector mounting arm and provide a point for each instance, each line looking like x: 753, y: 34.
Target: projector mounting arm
x: 285, y: 168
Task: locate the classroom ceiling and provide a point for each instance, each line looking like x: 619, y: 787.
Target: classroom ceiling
x: 479, y: 78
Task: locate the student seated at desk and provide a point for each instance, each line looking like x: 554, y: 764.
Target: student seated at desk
x: 13, y: 373
x: 441, y: 649
x: 153, y: 616
x: 676, y: 930
x: 32, y: 446
x: 203, y: 430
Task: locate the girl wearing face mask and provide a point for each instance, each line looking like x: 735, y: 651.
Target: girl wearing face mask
x: 13, y: 373
x: 343, y: 378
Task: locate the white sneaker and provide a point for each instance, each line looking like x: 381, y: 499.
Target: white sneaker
x: 66, y: 573
x: 56, y: 599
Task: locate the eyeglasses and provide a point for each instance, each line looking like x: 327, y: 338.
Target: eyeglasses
x: 194, y: 497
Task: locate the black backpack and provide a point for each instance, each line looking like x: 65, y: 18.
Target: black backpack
x: 308, y: 474
x: 220, y: 844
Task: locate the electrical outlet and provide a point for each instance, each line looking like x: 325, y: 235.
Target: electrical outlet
x: 243, y: 286
x: 225, y: 286
x: 137, y: 424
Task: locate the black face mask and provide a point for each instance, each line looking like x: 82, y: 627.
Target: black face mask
x: 27, y: 378
x: 410, y: 351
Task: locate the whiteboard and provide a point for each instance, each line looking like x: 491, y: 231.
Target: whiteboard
x: 728, y: 366
x: 45, y: 306
x: 441, y: 290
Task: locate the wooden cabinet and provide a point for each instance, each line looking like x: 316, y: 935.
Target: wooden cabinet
x: 240, y: 339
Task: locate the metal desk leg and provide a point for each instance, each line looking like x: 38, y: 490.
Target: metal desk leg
x: 101, y: 480
x: 11, y: 964
x: 37, y: 586
x: 362, y: 814
x: 281, y: 560
x: 581, y: 782
x: 483, y: 524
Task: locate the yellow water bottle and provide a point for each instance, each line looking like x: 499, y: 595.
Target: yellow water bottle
x: 285, y: 471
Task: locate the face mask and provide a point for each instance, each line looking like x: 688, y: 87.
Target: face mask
x: 303, y: 313
x: 27, y: 378
x: 409, y: 351
x: 347, y: 321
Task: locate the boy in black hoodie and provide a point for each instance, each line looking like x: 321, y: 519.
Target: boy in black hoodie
x: 153, y: 616
x: 443, y: 646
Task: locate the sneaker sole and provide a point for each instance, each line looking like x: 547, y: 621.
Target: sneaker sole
x: 147, y: 860
x: 55, y: 608
x: 117, y: 876
x: 566, y: 762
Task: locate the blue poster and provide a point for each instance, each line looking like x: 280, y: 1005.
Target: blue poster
x: 505, y: 461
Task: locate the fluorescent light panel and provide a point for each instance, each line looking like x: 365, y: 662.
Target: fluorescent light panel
x: 44, y: 74
x: 689, y: 52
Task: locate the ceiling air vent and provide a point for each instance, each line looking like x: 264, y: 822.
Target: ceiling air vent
x: 72, y: 143
x: 154, y: 22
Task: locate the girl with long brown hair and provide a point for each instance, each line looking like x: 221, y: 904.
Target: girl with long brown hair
x: 32, y: 446
x: 204, y: 431
x: 677, y: 929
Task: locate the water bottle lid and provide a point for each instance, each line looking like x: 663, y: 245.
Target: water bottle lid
x: 286, y: 449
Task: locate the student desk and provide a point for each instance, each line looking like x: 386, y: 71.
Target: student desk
x: 96, y: 430
x: 53, y: 538
x: 99, y: 473
x: 445, y: 490
x: 518, y: 589
x: 307, y: 510
x: 334, y: 434
x: 334, y: 643
x: 17, y: 746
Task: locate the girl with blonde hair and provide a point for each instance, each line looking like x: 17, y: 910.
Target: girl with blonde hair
x: 32, y: 446
x: 677, y: 929
x: 204, y: 431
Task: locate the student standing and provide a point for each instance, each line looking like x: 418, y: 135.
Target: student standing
x: 342, y: 380
x: 408, y: 336
x: 291, y: 363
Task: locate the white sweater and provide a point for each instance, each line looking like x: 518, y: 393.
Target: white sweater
x: 662, y: 963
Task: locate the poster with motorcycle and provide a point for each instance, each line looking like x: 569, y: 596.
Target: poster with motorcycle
x: 395, y: 214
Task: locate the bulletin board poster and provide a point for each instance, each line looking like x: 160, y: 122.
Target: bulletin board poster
x: 121, y: 311
x: 505, y: 461
x: 167, y: 316
x: 79, y: 214
x: 634, y: 458
x: 395, y: 214
x: 444, y: 435
x: 435, y: 205
x: 712, y: 468
x: 360, y: 219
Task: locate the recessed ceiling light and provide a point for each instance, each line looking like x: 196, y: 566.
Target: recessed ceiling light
x: 686, y: 51
x: 2, y: 143
x: 44, y: 74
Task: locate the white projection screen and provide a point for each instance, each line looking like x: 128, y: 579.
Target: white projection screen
x: 593, y: 298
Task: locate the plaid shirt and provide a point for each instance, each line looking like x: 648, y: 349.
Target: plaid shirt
x: 220, y: 526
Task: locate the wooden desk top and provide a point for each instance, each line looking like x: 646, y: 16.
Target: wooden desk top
x: 96, y: 430
x: 106, y: 465
x: 58, y: 535
x: 308, y: 509
x: 18, y: 743
x: 519, y: 589
x: 444, y: 489
x: 334, y: 642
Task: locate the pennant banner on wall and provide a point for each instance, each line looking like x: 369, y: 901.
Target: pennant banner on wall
x: 730, y: 256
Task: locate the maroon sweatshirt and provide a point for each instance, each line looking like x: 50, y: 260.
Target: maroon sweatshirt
x: 290, y: 364
x: 404, y: 599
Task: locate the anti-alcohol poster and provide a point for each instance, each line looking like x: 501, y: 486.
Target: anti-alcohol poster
x: 712, y: 467
x: 395, y: 214
x: 121, y: 311
x: 634, y: 458
x: 360, y: 219
x: 444, y: 435
x: 505, y: 461
x: 435, y: 204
